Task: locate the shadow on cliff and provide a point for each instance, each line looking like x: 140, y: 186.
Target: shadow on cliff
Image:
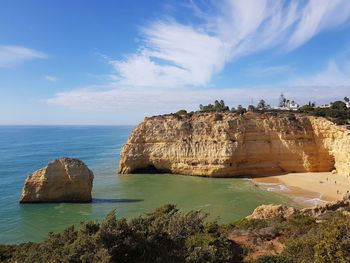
x: 271, y: 174
x: 115, y: 200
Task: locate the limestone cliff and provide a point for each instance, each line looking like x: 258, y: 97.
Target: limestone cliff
x: 228, y: 144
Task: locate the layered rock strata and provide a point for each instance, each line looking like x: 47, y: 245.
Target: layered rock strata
x: 228, y: 144
x: 62, y: 180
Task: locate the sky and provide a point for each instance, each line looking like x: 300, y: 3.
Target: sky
x: 114, y: 62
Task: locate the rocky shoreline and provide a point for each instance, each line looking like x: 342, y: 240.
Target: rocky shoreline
x: 271, y: 211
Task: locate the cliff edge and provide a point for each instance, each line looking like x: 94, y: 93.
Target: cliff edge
x: 227, y: 144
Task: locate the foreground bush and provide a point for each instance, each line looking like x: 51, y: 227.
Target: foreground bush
x: 162, y: 236
x: 166, y: 235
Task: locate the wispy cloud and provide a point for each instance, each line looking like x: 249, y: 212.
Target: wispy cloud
x: 157, y: 100
x: 334, y: 75
x: 270, y: 70
x: 174, y: 59
x: 11, y: 56
x: 174, y: 54
x: 50, y: 78
x: 316, y: 16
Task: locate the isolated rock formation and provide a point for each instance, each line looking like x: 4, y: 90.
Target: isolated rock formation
x: 62, y: 180
x: 270, y: 211
x: 228, y: 144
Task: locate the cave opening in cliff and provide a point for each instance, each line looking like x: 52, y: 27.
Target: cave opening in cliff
x: 150, y: 169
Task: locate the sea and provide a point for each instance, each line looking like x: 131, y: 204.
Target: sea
x: 24, y: 149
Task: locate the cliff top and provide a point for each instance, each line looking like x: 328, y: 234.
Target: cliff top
x: 230, y: 114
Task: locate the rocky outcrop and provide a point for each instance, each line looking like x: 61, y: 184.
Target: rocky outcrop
x: 62, y: 180
x: 270, y: 211
x: 228, y: 144
x: 339, y: 205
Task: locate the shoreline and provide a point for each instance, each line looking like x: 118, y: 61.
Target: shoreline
x: 307, y: 189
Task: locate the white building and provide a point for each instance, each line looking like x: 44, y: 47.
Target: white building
x: 285, y: 104
x: 292, y: 105
x: 328, y: 105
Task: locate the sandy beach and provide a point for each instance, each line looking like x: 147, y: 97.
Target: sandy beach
x: 308, y: 187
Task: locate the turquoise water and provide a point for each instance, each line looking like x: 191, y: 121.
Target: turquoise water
x: 23, y: 149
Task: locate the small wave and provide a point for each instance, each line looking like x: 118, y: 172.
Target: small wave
x: 315, y: 201
x: 271, y: 189
x: 262, y: 184
x: 283, y: 187
x: 310, y: 201
x: 246, y: 179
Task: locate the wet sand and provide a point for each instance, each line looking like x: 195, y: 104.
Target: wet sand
x: 307, y: 188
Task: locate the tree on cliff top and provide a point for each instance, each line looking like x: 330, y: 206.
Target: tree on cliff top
x: 261, y: 105
x: 218, y: 106
x: 181, y: 112
x: 338, y: 105
x: 251, y: 108
x: 240, y: 110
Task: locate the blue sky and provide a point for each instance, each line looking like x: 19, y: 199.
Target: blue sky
x: 114, y: 62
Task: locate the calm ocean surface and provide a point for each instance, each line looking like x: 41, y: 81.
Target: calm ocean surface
x: 23, y: 149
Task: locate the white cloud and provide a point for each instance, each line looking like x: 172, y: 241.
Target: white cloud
x: 317, y: 16
x: 174, y: 54
x: 11, y: 56
x: 51, y: 78
x: 174, y: 60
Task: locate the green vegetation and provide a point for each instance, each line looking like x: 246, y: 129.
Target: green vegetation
x: 251, y: 108
x: 240, y: 110
x: 305, y: 239
x: 166, y: 235
x: 218, y: 106
x: 261, y: 105
x: 162, y: 236
x: 181, y: 112
x: 337, y: 112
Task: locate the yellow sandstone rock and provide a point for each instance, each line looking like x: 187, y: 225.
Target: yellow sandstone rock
x: 228, y: 144
x: 62, y: 180
x: 271, y: 211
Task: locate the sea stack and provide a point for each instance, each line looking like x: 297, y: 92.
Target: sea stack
x: 228, y: 144
x: 62, y: 180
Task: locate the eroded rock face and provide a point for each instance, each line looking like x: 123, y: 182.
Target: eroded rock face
x: 62, y: 180
x: 342, y: 205
x: 206, y: 144
x: 271, y: 211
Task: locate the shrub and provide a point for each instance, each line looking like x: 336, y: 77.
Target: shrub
x: 272, y: 259
x: 165, y: 235
x: 181, y: 112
